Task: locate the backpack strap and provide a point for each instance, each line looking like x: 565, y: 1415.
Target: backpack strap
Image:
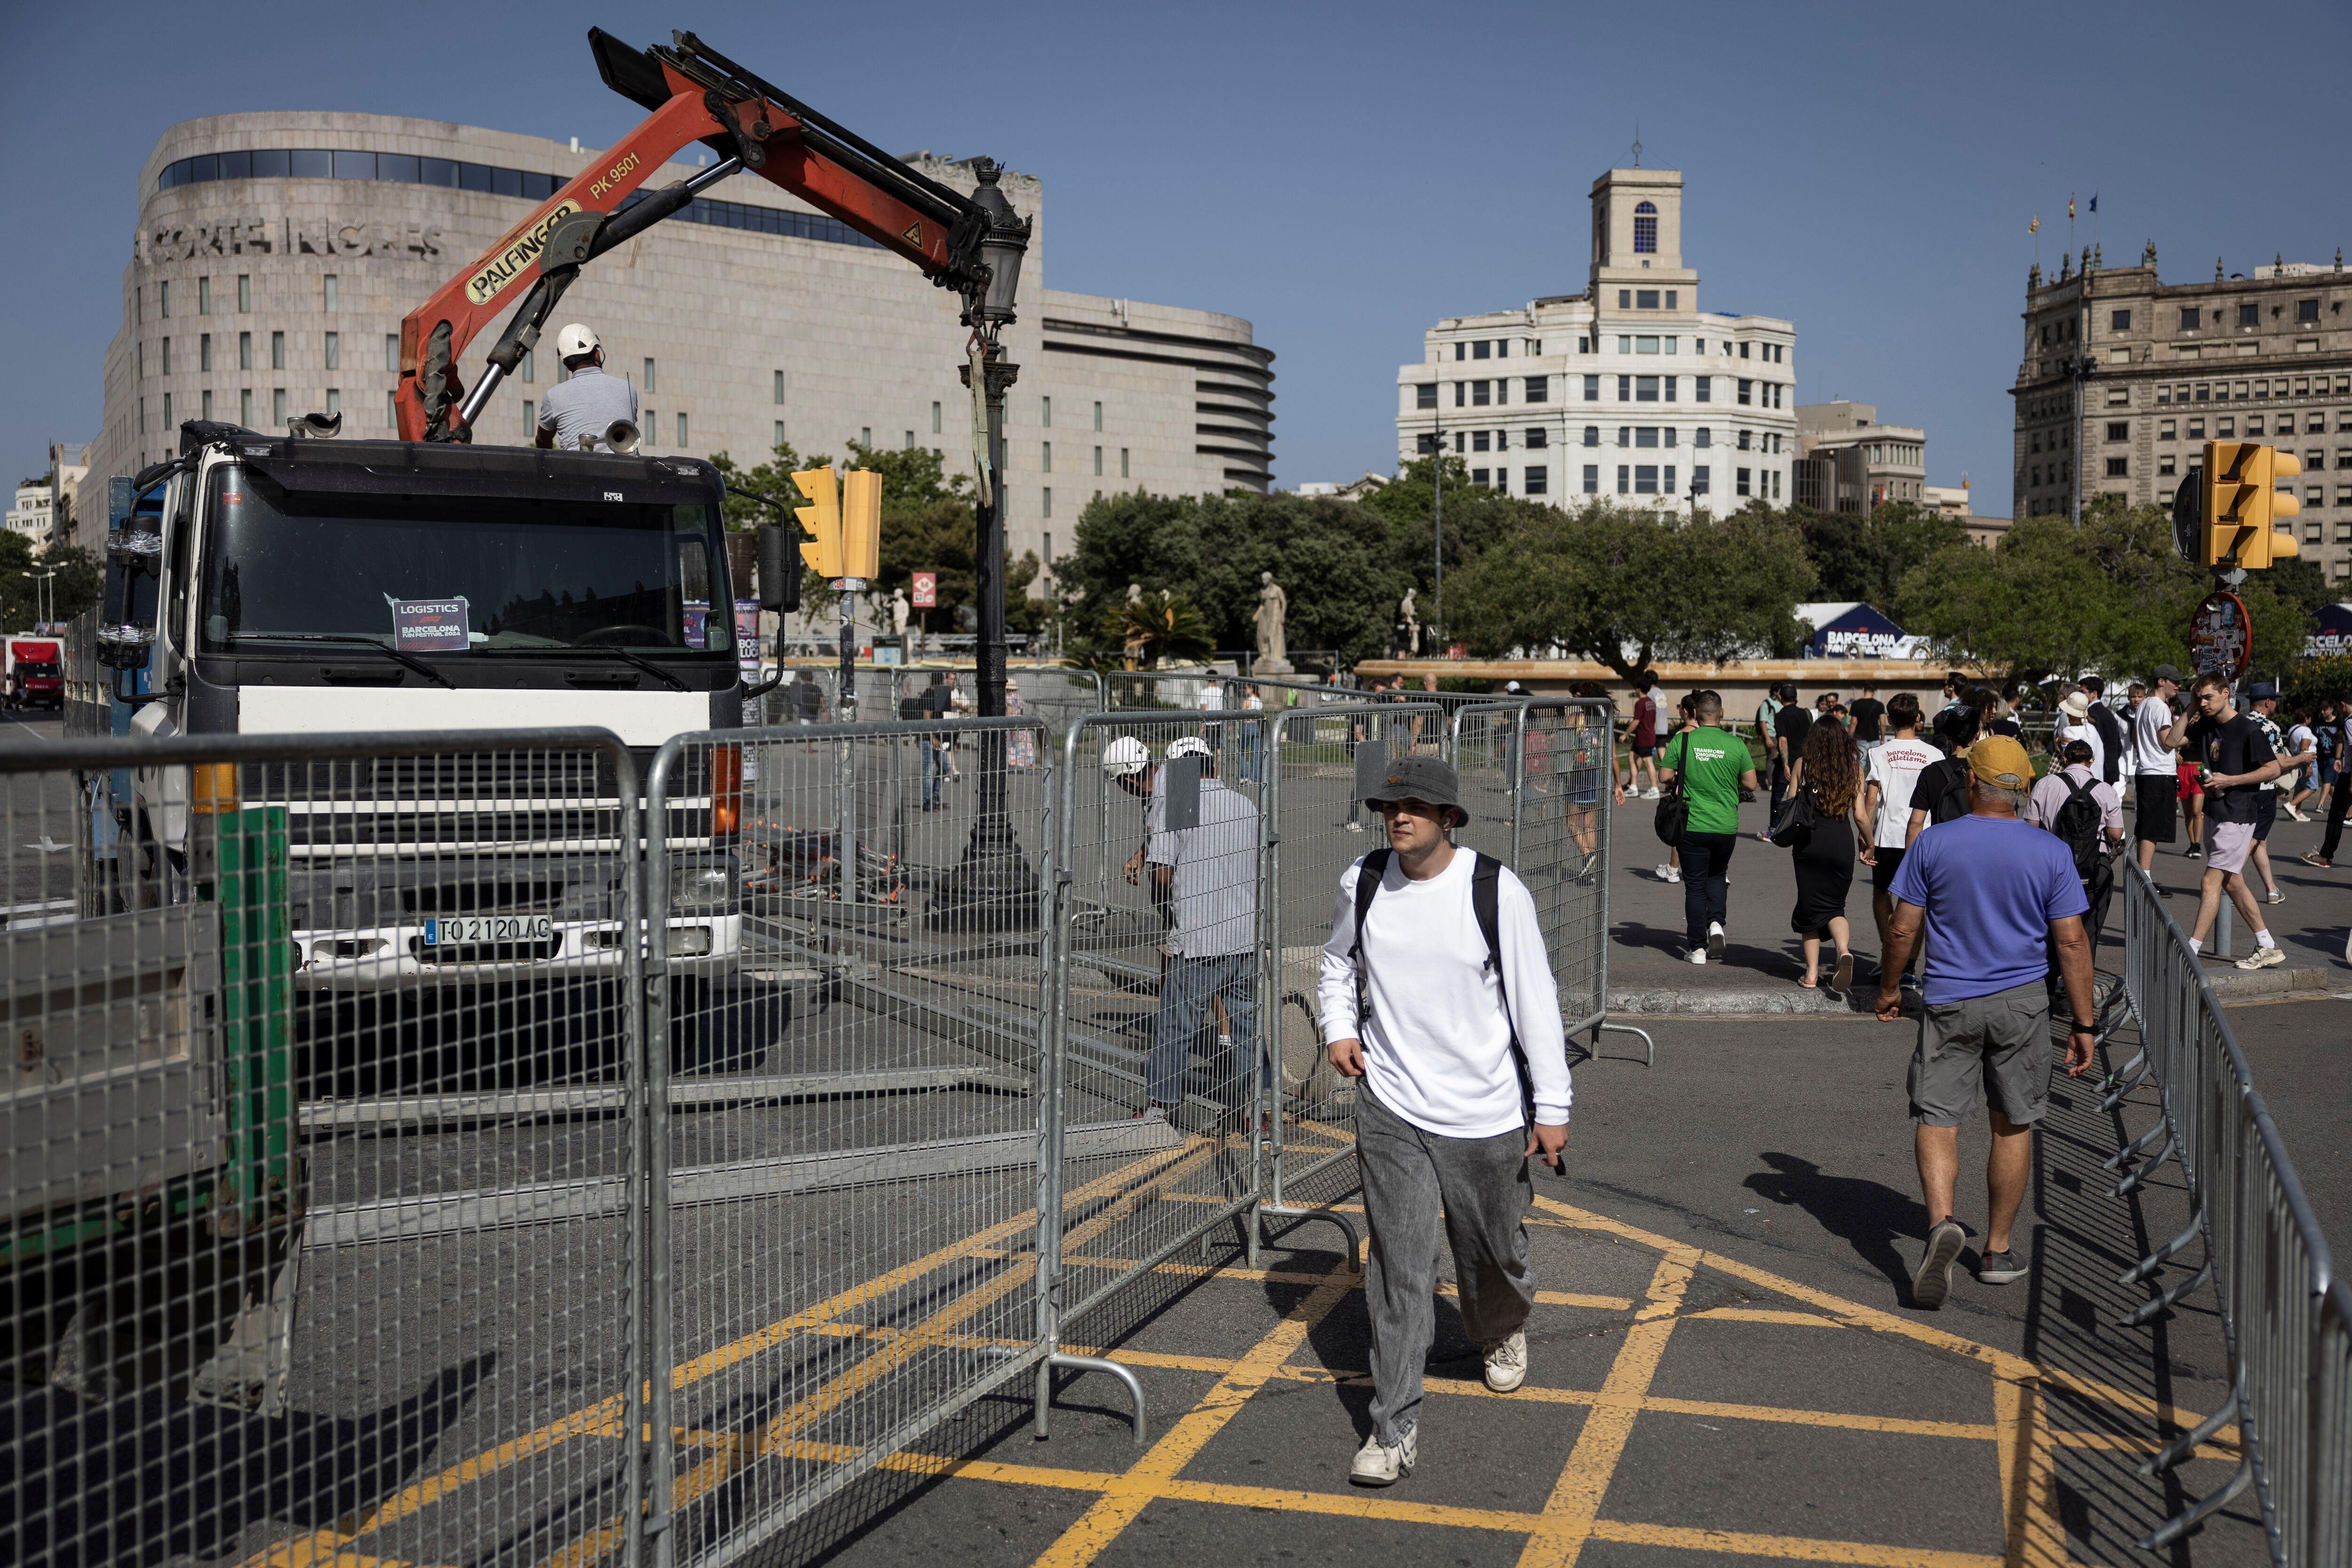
x: 1486, y: 904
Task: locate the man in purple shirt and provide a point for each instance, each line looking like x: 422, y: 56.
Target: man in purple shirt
x: 1994, y: 894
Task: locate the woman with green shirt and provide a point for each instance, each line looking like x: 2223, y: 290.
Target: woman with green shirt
x: 1713, y: 766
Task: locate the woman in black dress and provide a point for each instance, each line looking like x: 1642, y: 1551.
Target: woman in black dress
x: 1826, y: 780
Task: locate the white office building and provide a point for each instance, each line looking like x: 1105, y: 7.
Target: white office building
x: 1627, y: 390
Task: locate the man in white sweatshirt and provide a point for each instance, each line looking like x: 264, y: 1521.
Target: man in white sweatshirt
x: 1465, y: 1075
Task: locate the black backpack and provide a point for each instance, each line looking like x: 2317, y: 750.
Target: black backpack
x: 2077, y: 826
x: 1486, y: 904
x: 1953, y: 803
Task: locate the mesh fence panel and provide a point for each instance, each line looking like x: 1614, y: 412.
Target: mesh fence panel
x: 323, y: 1173
x: 1566, y: 781
x: 849, y: 1133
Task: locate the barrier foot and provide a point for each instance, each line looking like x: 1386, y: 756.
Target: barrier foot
x: 2145, y: 1172
x: 1090, y: 1363
x: 2132, y: 1149
x: 2149, y: 1310
x: 1355, y: 1247
x: 2124, y: 1090
x: 2155, y: 1260
x: 1650, y: 1046
x: 1041, y: 1402
x: 2187, y: 1519
x: 2187, y: 1442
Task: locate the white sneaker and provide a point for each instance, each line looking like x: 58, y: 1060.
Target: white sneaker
x: 1506, y: 1362
x: 1715, y: 941
x: 1651, y: 792
x: 1695, y: 954
x: 2275, y: 896
x: 2263, y: 958
x: 1668, y: 874
x: 2293, y: 813
x: 1377, y: 1464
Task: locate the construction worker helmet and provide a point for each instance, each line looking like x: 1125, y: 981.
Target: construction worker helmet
x: 1126, y: 757
x: 576, y: 342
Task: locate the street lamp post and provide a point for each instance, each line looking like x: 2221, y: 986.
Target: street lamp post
x: 45, y: 598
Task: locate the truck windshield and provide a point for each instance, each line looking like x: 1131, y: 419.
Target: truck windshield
x: 453, y: 574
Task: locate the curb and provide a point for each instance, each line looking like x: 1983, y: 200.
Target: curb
x: 1791, y: 1001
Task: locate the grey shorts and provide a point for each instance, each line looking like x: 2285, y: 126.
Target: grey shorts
x: 1984, y: 1050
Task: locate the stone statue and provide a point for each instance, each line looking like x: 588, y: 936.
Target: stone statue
x: 1409, y: 622
x: 1135, y: 593
x: 1272, y: 605
x: 899, y: 611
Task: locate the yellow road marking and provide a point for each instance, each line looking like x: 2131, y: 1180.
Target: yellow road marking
x: 1766, y: 1315
x: 1575, y: 1502
x: 1127, y: 1495
x: 1801, y: 1548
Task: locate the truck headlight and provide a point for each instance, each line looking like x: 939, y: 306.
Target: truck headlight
x: 701, y: 888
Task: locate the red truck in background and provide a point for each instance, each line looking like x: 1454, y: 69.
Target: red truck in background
x: 33, y: 672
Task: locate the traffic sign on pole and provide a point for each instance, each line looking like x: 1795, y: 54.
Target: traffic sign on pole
x: 927, y: 590
x: 2220, y: 637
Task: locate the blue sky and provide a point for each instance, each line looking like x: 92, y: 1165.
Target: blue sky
x: 1342, y: 175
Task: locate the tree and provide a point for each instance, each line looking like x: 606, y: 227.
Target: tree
x: 1865, y: 556
x: 1475, y: 516
x: 77, y: 587
x: 2111, y: 597
x: 1154, y: 628
x: 1625, y: 585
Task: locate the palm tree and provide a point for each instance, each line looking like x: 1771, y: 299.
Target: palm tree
x: 1157, y: 626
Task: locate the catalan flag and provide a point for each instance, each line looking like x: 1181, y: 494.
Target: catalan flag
x: 2070, y: 209
x: 2035, y: 226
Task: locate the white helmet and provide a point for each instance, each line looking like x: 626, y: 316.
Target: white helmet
x: 576, y: 342
x: 1187, y: 746
x: 1126, y: 757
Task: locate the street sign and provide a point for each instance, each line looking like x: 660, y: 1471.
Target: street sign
x: 2220, y: 637
x: 927, y: 590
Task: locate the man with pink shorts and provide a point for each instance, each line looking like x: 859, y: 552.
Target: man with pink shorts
x: 2234, y: 760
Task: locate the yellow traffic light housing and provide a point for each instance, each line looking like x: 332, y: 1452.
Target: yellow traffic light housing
x: 821, y: 520
x: 2242, y: 501
x: 861, y: 524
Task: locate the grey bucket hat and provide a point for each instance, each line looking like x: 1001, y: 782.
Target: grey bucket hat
x: 1419, y: 778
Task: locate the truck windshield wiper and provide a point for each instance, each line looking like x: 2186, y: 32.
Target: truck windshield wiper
x: 648, y: 666
x: 343, y: 640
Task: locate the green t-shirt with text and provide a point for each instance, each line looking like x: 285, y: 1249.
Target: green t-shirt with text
x: 1710, y: 770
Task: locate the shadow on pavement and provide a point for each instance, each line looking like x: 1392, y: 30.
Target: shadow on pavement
x: 1868, y: 1215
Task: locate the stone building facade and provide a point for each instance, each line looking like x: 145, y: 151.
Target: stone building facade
x: 275, y: 254
x: 2124, y: 378
x: 1626, y: 391
x: 1848, y: 461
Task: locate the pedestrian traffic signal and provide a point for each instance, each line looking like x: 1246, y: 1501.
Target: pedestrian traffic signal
x: 2239, y: 502
x: 821, y: 520
x: 861, y: 524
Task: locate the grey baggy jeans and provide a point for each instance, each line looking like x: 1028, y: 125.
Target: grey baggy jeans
x: 1482, y: 1187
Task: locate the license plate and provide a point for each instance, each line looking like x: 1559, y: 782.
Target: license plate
x: 470, y: 929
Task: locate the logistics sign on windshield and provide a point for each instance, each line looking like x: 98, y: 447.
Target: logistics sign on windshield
x: 439, y: 626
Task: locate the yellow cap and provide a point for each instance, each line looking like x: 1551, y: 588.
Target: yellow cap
x: 1999, y: 760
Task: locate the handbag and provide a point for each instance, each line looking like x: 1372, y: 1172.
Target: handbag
x: 1673, y: 818
x: 1799, y: 817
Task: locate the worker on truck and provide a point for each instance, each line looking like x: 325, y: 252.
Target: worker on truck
x: 577, y: 412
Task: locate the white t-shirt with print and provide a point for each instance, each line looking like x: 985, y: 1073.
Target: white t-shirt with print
x: 1895, y: 768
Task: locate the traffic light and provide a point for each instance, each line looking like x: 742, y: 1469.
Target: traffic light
x: 821, y: 520
x: 2241, y: 500
x: 861, y: 524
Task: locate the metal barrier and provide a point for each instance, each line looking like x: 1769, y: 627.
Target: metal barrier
x: 2286, y: 1318
x: 326, y: 1088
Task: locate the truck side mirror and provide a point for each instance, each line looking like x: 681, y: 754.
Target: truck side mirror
x: 779, y: 576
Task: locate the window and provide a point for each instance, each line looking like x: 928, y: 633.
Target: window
x: 778, y: 439
x: 1502, y: 390
x: 1645, y: 389
x: 1592, y: 389
x: 334, y: 351
x: 910, y: 445
x: 935, y: 421
x: 2204, y: 390
x: 1746, y: 393
x: 327, y: 293
x: 391, y: 414
x: 1098, y: 454
x: 1669, y: 381
x: 1645, y: 479
x: 1673, y: 295
x: 2118, y: 468
x: 1537, y: 435
x: 1047, y: 508
x: 1045, y: 412
x: 2254, y: 425
x: 1047, y: 452
x: 1461, y: 393
x: 205, y: 353
x: 1624, y: 346
x: 276, y: 408
x: 1537, y: 481
x: 1666, y: 480
x: 167, y: 413
x: 1593, y: 434
x: 1645, y: 298
x: 1122, y: 462
x: 1775, y: 476
x: 2315, y: 422
x: 1460, y: 351
x: 681, y: 430
x: 163, y: 298
x: 1480, y: 394
x: 1646, y: 345
x: 1480, y: 349
x: 2119, y: 321
x: 2250, y: 315
x: 2164, y: 465
x: 2187, y: 318
x: 1703, y: 388
x: 2119, y: 396
x: 2196, y: 430
x: 2306, y: 310
x: 244, y: 407
x: 1433, y: 403
x: 2119, y: 430
x: 1646, y: 436
x: 1624, y: 479
x: 2225, y: 428
x: 1624, y: 299
x: 866, y: 434
x: 244, y: 292
x: 1424, y: 443
x: 1739, y: 481
x: 1645, y: 229
x: 1624, y: 389
x: 1700, y: 480
x: 167, y: 356
x: 1477, y: 440
x: 651, y: 427
x: 1592, y: 479
x: 334, y: 401
x: 2164, y: 394
x: 1624, y: 434
x: 1703, y: 436
x: 1477, y: 476
x: 1539, y: 389
x: 203, y: 296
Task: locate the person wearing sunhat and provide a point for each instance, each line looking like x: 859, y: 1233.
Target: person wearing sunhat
x: 1437, y: 995
x: 2075, y: 724
x: 1994, y: 895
